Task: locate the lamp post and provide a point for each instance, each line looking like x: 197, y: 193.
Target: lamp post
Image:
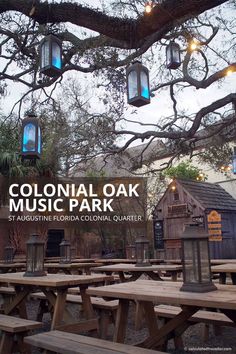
x: 34, y: 257
x: 8, y: 254
x: 65, y: 252
x: 196, y: 260
x: 50, y: 49
x: 142, y: 252
x: 173, y: 59
x: 138, y: 90
x: 31, y: 145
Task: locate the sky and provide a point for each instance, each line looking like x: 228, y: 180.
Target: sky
x: 191, y: 100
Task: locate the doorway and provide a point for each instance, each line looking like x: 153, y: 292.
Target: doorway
x: 55, y: 237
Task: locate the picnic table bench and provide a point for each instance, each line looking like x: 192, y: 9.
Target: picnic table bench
x: 14, y: 326
x: 106, y: 309
x: 61, y: 342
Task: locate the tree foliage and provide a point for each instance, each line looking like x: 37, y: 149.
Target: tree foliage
x: 184, y: 170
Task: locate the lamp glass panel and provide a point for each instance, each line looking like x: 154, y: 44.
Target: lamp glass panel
x: 39, y: 258
x: 56, y: 55
x: 191, y: 261
x: 45, y: 54
x: 29, y: 138
x: 39, y: 141
x: 144, y: 85
x: 234, y: 164
x: 168, y: 56
x: 205, y: 269
x: 132, y: 84
x: 175, y: 54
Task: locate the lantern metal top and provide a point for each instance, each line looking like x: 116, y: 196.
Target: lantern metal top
x: 194, y: 231
x: 34, y: 239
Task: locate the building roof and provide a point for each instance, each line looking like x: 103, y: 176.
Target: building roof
x: 209, y: 195
x: 121, y: 164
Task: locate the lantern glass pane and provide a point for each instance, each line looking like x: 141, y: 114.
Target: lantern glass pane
x: 132, y: 84
x: 175, y: 54
x: 168, y: 56
x: 144, y: 85
x: 234, y: 164
x: 191, y: 261
x: 39, y: 140
x: 56, y: 55
x: 45, y: 54
x: 29, y: 138
x: 205, y: 269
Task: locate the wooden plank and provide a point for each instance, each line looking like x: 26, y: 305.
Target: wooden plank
x: 121, y: 321
x: 51, y: 280
x: 227, y: 268
x: 14, y: 324
x: 164, y: 293
x: 132, y: 268
x: 70, y: 343
x: 199, y: 316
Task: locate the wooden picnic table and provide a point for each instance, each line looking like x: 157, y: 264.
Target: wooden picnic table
x: 70, y: 268
x: 110, y: 261
x: 11, y: 267
x: 55, y: 288
x: 73, y: 260
x: 136, y: 272
x: 213, y: 261
x: 223, y: 269
x: 148, y: 293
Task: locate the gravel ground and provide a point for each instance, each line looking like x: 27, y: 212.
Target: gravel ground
x: 193, y: 342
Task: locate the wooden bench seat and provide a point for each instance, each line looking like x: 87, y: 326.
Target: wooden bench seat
x: 215, y: 318
x: 106, y: 309
x: 11, y: 326
x: 7, y: 290
x: 202, y: 316
x: 69, y: 343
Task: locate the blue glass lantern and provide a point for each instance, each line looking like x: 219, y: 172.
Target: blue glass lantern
x: 51, y: 56
x: 173, y: 60
x: 31, y: 144
x: 138, y: 91
x: 234, y: 161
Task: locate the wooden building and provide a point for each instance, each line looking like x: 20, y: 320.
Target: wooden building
x: 188, y: 201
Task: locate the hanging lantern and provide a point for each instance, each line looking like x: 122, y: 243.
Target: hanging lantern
x: 196, y: 260
x: 51, y: 56
x: 234, y: 161
x: 142, y: 252
x: 138, y: 84
x: 8, y: 254
x: 34, y: 257
x: 173, y: 60
x: 31, y: 144
x: 65, y: 252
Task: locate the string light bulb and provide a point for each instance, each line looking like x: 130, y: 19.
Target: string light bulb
x: 148, y: 7
x: 194, y: 44
x: 229, y: 72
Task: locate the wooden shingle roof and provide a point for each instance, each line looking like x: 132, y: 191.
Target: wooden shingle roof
x: 209, y: 195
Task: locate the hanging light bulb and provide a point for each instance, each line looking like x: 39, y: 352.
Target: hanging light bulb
x: 229, y: 72
x: 194, y: 44
x: 148, y: 7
